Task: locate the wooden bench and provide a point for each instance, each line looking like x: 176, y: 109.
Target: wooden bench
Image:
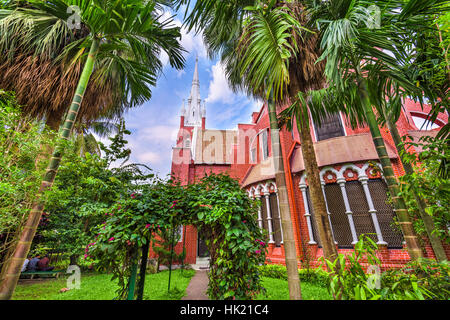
x: 45, y: 274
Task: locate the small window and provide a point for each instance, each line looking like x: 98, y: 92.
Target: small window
x: 424, y: 124
x: 264, y: 145
x: 253, y: 155
x: 187, y: 143
x: 330, y: 127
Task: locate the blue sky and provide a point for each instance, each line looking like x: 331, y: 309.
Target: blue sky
x: 154, y: 125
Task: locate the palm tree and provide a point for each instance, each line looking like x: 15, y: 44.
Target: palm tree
x: 33, y: 64
x: 125, y: 33
x: 267, y: 53
x: 85, y: 140
x: 428, y: 222
x: 357, y: 50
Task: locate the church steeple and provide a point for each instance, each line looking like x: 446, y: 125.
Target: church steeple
x: 195, y: 111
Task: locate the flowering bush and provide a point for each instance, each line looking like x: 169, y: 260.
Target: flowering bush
x: 216, y: 203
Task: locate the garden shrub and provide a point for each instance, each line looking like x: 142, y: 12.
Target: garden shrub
x: 350, y: 279
x: 433, y: 277
x: 216, y: 204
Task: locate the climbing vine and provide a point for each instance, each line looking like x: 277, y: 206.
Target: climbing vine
x: 216, y: 203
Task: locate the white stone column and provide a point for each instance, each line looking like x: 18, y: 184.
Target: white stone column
x: 307, y: 214
x: 372, y: 210
x: 269, y: 217
x: 279, y: 214
x: 348, y: 211
x: 260, y: 220
x: 328, y: 211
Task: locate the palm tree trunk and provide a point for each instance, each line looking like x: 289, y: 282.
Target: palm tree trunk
x: 23, y: 246
x: 315, y: 187
x: 404, y: 220
x: 436, y: 243
x: 285, y: 214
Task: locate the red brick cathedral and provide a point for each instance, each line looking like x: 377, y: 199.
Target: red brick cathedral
x: 355, y: 194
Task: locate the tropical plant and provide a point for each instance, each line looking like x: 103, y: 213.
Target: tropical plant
x: 425, y: 182
x: 126, y: 33
x: 424, y: 275
x: 356, y: 37
x: 41, y: 60
x: 361, y: 279
x: 85, y: 140
x: 393, y: 97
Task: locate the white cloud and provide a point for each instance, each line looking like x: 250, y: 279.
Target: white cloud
x: 149, y: 157
x: 219, y: 91
x: 191, y: 42
x: 161, y: 132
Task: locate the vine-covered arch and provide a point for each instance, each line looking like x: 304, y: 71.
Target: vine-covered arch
x: 217, y: 203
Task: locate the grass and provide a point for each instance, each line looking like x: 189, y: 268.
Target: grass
x: 100, y: 287
x: 277, y: 289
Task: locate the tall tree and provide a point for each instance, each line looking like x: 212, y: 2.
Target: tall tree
x: 430, y: 227
x: 265, y: 49
x: 361, y: 40
x: 43, y: 79
x: 127, y: 33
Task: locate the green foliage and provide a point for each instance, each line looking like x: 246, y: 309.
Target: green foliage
x: 317, y: 277
x: 237, y: 244
x: 430, y: 277
x: 429, y: 183
x: 216, y: 203
x: 348, y: 279
x: 20, y: 176
x: 85, y: 188
x: 417, y: 281
x: 19, y: 145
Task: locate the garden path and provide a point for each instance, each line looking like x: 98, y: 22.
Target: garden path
x: 196, y: 289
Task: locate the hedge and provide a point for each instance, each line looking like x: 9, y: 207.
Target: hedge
x: 314, y: 276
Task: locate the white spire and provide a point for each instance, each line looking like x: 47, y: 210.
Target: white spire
x: 194, y: 115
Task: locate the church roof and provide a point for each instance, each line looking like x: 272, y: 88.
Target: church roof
x: 264, y: 170
x: 354, y: 148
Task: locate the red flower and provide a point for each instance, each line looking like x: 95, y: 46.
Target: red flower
x: 133, y: 195
x: 111, y: 239
x: 147, y: 226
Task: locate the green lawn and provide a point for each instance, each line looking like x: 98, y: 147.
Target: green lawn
x: 100, y: 287
x: 277, y: 289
